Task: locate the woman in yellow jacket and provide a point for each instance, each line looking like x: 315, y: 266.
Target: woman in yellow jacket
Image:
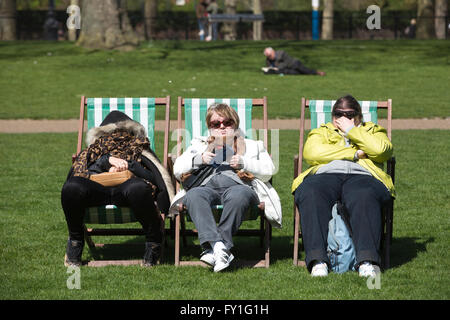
x: 346, y: 158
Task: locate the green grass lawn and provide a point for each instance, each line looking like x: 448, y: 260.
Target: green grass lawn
x: 33, y: 234
x: 46, y: 80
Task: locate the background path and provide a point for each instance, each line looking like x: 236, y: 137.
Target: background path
x: 34, y: 126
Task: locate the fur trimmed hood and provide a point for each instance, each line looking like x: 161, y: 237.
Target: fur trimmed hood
x: 138, y: 130
x: 129, y: 125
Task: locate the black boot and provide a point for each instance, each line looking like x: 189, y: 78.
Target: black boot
x: 73, y: 252
x: 152, y: 253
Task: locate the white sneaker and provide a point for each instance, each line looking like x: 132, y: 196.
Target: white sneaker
x: 320, y: 269
x: 366, y: 269
x: 223, y: 259
x: 207, y: 257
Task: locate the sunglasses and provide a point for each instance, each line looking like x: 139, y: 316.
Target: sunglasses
x: 347, y: 114
x: 217, y: 124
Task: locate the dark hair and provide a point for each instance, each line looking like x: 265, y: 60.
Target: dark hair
x: 348, y: 102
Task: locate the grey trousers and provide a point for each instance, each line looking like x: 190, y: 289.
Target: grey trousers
x: 236, y: 200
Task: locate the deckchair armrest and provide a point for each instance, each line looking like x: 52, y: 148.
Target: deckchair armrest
x: 391, y: 168
x: 296, y: 166
x: 170, y: 162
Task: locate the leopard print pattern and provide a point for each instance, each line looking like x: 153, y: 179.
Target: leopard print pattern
x: 120, y: 144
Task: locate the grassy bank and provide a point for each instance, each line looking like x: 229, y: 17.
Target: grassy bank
x: 33, y: 235
x: 46, y: 80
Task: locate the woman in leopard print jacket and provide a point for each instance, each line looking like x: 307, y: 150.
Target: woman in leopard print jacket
x: 118, y: 144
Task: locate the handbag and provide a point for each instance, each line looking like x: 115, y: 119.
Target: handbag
x: 111, y: 179
x: 196, y: 177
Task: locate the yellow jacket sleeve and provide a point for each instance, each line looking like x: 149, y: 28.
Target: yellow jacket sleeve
x: 318, y: 149
x: 373, y: 140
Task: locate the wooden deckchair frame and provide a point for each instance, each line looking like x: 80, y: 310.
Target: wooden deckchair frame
x: 388, y: 210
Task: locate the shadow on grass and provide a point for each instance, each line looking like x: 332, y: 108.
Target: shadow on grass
x: 405, y: 249
x: 245, y: 248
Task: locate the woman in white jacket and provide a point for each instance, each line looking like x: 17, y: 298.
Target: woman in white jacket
x: 239, y: 173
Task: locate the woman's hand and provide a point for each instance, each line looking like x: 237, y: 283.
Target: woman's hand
x: 344, y: 123
x: 207, y: 157
x: 361, y: 154
x: 117, y: 164
x: 236, y: 162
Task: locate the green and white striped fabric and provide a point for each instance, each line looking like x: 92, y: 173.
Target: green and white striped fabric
x: 321, y: 111
x: 195, y: 115
x: 141, y: 110
x: 109, y: 214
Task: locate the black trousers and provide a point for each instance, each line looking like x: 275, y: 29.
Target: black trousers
x: 362, y: 195
x: 80, y: 193
x: 298, y: 68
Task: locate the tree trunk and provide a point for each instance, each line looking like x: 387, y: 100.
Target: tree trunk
x: 257, y: 25
x: 425, y: 23
x: 229, y: 28
x: 105, y: 26
x: 126, y: 27
x: 440, y: 12
x: 327, y: 20
x: 150, y: 14
x: 8, y: 20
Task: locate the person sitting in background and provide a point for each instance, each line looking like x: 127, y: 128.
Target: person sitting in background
x: 346, y: 158
x: 279, y: 62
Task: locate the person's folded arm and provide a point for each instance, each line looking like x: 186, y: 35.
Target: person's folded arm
x: 260, y: 164
x: 188, y: 161
x: 318, y: 150
x: 373, y: 141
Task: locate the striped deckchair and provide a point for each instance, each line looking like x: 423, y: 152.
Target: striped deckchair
x: 195, y: 113
x: 142, y: 110
x: 320, y: 111
x: 195, y: 125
